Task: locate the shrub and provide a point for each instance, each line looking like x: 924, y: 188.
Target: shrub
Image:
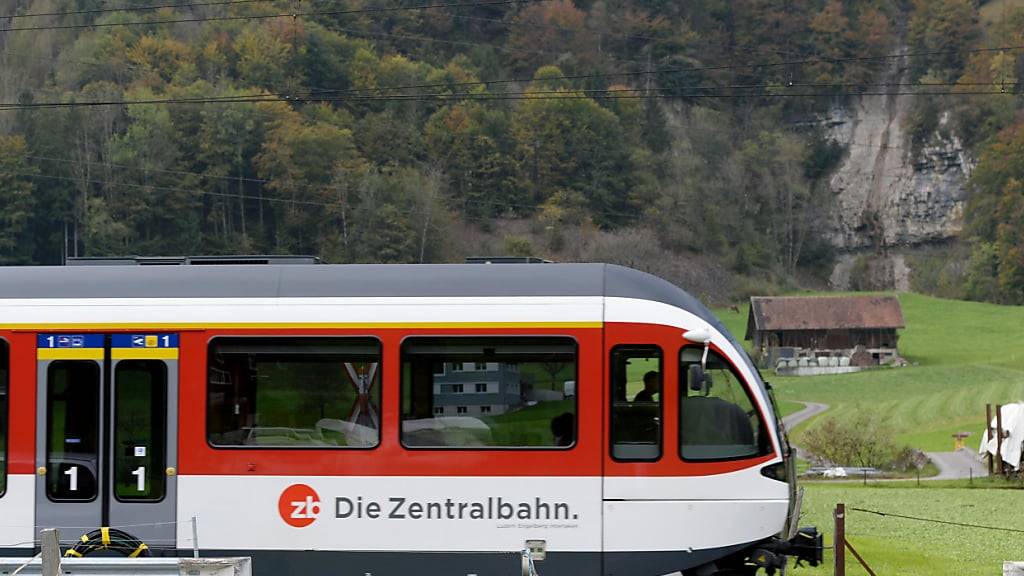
x: 861, y: 440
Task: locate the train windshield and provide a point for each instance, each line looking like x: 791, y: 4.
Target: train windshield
x: 718, y: 419
x: 489, y: 392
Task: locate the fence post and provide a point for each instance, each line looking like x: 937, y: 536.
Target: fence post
x: 999, y: 439
x: 988, y: 427
x: 49, y: 544
x: 839, y: 543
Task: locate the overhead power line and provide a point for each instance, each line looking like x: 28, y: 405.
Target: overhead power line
x: 264, y: 96
x: 656, y: 71
x: 270, y: 16
x: 137, y: 8
x: 291, y: 201
x: 609, y: 94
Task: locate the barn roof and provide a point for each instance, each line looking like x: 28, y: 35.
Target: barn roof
x: 824, y: 313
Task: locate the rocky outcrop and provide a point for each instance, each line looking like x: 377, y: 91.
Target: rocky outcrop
x: 887, y: 194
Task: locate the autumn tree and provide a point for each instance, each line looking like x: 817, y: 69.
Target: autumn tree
x: 945, y: 29
x: 994, y: 212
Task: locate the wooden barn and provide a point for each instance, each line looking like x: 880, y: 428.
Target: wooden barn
x: 852, y: 330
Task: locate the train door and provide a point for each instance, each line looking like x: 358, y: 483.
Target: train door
x: 106, y: 434
x: 640, y: 382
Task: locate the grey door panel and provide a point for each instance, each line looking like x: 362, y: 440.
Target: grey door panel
x: 106, y: 435
x: 156, y: 502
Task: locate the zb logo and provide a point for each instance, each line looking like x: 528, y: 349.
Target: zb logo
x: 299, y: 505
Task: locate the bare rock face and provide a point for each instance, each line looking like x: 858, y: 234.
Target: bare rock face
x: 886, y: 194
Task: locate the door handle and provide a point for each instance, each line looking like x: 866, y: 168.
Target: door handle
x: 41, y: 471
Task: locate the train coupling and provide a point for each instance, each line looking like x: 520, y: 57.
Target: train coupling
x: 807, y: 545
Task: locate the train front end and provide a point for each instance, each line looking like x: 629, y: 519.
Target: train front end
x: 802, y: 544
x: 701, y: 480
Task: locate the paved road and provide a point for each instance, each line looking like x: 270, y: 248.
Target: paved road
x: 952, y: 465
x: 796, y: 418
x: 957, y: 465
x: 811, y: 409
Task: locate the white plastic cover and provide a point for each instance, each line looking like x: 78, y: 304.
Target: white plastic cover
x: 1013, y: 435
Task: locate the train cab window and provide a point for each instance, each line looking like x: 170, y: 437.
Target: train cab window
x: 4, y: 371
x: 528, y: 401
x: 718, y: 419
x: 636, y: 384
x: 72, y: 430
x: 305, y: 392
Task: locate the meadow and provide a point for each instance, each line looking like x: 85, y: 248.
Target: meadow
x: 922, y: 547
x: 962, y: 355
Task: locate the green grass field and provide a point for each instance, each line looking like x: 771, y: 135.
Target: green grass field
x: 923, y: 548
x: 963, y: 355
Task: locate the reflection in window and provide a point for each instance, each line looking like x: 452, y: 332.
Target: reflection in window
x: 294, y: 392
x: 140, y: 428
x: 636, y: 402
x: 523, y: 404
x: 3, y: 416
x: 717, y: 418
x: 72, y: 430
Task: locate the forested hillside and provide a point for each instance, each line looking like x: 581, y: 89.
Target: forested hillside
x: 686, y: 138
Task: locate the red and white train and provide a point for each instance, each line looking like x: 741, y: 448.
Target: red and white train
x: 380, y: 419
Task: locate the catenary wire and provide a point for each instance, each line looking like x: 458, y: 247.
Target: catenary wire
x: 136, y: 8
x: 292, y: 201
x: 270, y: 16
x: 476, y: 97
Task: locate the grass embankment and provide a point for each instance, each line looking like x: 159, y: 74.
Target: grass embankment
x: 899, y: 546
x: 963, y: 355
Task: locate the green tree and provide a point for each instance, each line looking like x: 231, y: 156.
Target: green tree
x: 946, y: 29
x: 16, y: 234
x: 994, y: 212
x: 300, y: 158
x: 571, y: 142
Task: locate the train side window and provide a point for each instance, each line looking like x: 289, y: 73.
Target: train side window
x: 718, y: 419
x: 528, y: 401
x: 4, y: 371
x: 636, y: 411
x: 302, y: 392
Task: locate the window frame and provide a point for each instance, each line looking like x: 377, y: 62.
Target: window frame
x: 661, y: 404
x: 576, y: 402
x: 683, y: 386
x: 206, y: 390
x: 5, y: 413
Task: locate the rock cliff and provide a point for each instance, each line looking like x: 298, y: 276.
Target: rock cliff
x: 888, y: 195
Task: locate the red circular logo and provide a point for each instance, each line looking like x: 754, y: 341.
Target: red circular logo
x: 299, y: 505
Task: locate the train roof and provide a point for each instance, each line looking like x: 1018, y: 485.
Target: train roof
x: 341, y: 281
x: 349, y: 280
